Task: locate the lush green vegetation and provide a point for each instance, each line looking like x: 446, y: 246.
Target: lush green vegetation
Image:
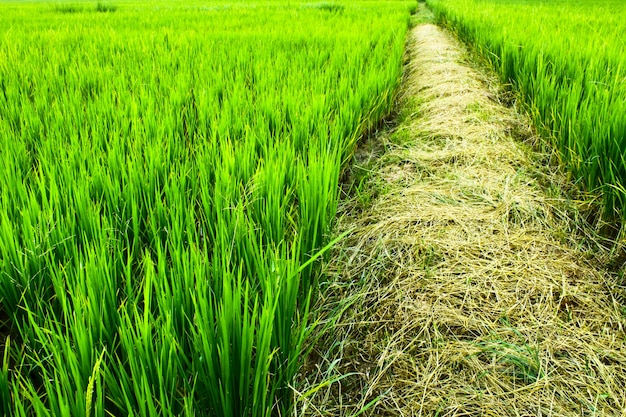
x: 566, y: 58
x: 168, y: 176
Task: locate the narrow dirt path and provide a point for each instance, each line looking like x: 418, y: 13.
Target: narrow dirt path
x: 464, y: 287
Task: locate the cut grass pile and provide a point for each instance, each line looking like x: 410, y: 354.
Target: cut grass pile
x: 168, y: 174
x: 566, y: 59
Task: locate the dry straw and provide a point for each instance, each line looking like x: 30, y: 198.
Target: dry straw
x: 466, y: 288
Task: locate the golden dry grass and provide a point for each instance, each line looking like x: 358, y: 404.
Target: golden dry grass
x: 464, y: 288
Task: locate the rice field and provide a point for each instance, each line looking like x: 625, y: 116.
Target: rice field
x: 566, y: 59
x: 168, y: 180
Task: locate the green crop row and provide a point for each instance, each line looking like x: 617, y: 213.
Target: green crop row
x: 566, y: 59
x: 168, y: 178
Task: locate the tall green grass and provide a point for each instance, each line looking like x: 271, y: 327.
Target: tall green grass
x: 567, y: 60
x: 168, y: 177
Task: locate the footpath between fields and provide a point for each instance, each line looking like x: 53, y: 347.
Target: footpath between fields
x: 465, y: 285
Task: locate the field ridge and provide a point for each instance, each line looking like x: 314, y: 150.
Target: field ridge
x: 464, y: 286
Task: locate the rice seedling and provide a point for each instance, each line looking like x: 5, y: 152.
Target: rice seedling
x: 168, y: 183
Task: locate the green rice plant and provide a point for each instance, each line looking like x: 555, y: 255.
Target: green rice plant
x: 5, y: 393
x: 566, y: 61
x: 330, y: 7
x: 168, y: 184
x: 105, y: 7
x: 69, y: 8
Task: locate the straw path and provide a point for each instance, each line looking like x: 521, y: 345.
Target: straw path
x: 464, y: 287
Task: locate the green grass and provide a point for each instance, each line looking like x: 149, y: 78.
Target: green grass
x: 169, y: 175
x: 566, y: 59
